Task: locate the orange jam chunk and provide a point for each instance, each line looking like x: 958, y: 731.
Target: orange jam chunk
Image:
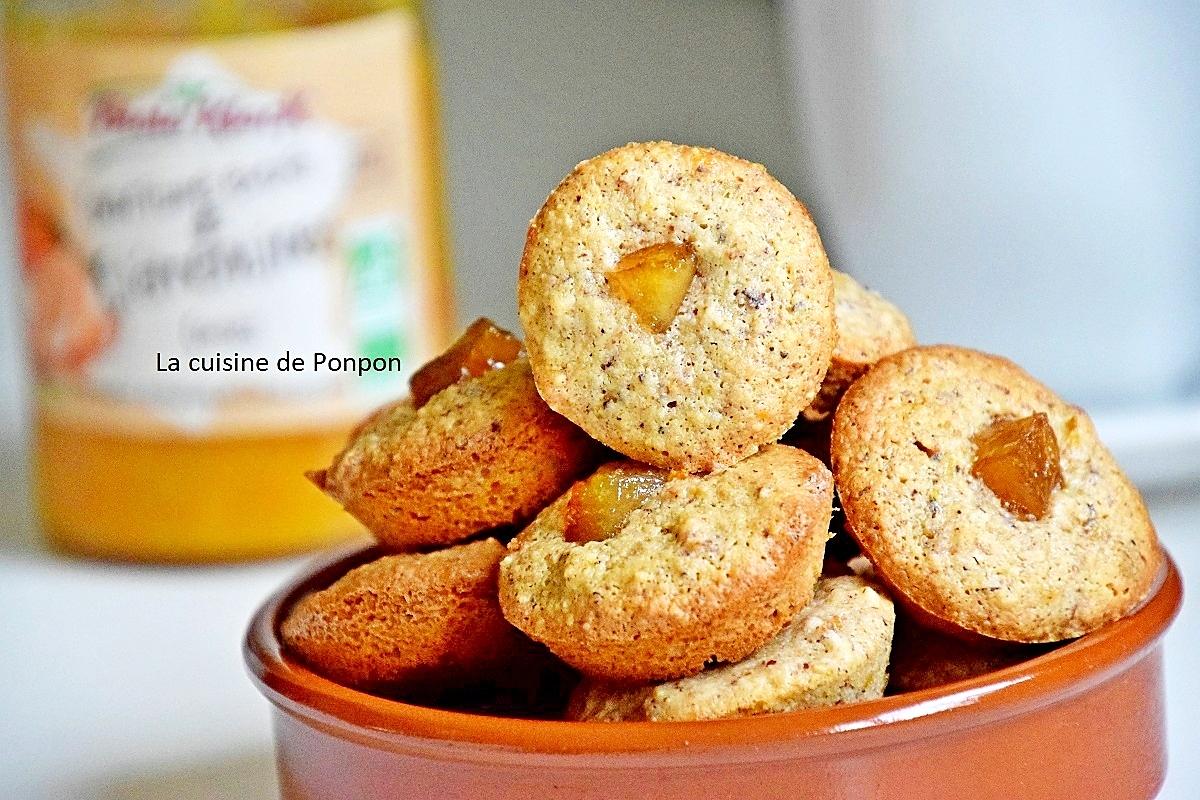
x: 654, y: 281
x: 599, y: 506
x: 481, y: 348
x: 1018, y: 460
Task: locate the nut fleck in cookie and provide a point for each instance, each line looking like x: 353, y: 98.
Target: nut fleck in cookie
x: 834, y: 651
x: 868, y: 328
x: 409, y: 621
x: 923, y: 658
x: 986, y: 501
x: 678, y: 304
x: 700, y: 569
x: 480, y: 453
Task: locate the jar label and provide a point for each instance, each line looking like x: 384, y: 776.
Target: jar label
x: 234, y: 237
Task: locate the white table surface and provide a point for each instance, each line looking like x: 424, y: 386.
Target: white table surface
x: 123, y: 682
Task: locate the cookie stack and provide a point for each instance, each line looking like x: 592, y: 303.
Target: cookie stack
x: 610, y: 499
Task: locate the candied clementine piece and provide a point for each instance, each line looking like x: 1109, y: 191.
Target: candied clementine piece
x: 654, y: 281
x: 599, y: 506
x: 1018, y: 460
x: 481, y: 348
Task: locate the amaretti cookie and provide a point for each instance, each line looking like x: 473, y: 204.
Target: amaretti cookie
x: 868, y: 328
x: 483, y: 452
x: 416, y: 622
x: 678, y: 304
x: 691, y: 571
x: 923, y: 658
x: 834, y: 651
x: 987, y: 502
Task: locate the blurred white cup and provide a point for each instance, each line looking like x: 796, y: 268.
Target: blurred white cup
x: 1023, y: 178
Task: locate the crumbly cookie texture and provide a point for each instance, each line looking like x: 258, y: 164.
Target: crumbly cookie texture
x: 902, y: 455
x: 410, y: 621
x: 834, y: 651
x: 868, y: 328
x: 748, y: 347
x: 708, y: 570
x: 923, y: 658
x: 482, y: 453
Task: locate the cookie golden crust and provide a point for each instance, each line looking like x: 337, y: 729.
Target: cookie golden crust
x: 902, y: 455
x: 923, y: 658
x: 868, y: 328
x: 834, y: 651
x: 747, y: 349
x: 412, y: 621
x: 708, y: 570
x: 481, y: 453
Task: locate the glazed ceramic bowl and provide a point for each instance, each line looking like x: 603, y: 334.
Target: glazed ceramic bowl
x: 1082, y: 721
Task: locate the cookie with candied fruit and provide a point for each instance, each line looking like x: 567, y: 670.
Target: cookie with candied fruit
x: 474, y: 448
x: 634, y: 575
x: 985, y: 501
x: 678, y: 304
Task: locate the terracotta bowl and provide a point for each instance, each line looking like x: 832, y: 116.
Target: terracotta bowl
x: 1083, y: 721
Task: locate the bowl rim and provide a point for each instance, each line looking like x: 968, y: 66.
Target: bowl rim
x: 1048, y: 678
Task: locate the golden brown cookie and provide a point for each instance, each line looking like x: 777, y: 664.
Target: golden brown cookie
x: 923, y: 658
x: 481, y: 453
x: 905, y: 456
x: 708, y: 569
x: 409, y: 622
x: 834, y: 651
x: 689, y: 375
x: 868, y: 328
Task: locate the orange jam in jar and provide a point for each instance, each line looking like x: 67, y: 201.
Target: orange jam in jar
x: 232, y: 238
